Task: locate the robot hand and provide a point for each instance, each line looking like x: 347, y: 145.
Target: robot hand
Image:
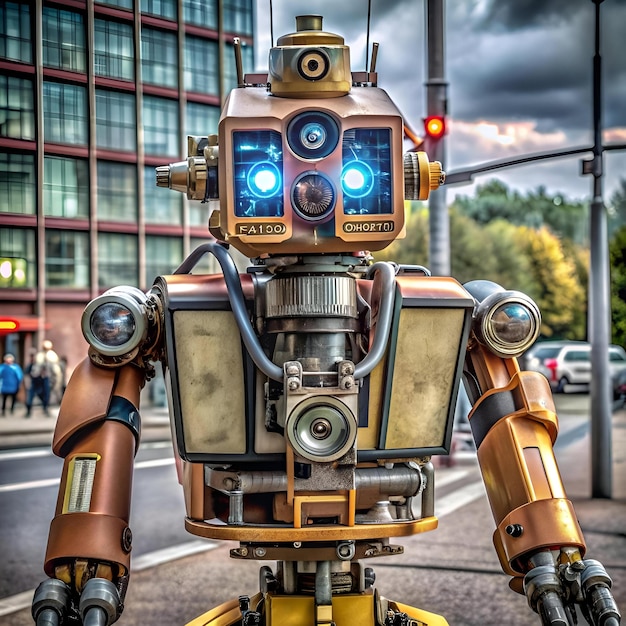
x: 98, y: 604
x: 553, y: 591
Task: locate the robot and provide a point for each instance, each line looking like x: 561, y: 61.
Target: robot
x: 309, y: 394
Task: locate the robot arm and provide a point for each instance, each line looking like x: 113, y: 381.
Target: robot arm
x: 97, y: 435
x: 537, y: 538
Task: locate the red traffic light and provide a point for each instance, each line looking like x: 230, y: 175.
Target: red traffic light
x: 435, y: 126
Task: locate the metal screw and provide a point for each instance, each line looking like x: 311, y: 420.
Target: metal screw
x: 515, y: 530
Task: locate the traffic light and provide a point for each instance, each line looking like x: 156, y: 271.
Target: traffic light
x: 435, y: 127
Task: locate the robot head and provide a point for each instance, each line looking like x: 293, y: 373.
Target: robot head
x: 308, y: 158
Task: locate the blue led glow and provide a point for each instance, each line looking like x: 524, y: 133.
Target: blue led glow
x: 357, y: 179
x: 264, y: 179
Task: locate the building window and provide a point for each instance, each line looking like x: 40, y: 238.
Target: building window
x: 201, y: 13
x: 65, y: 113
x: 117, y: 259
x: 230, y: 69
x: 238, y: 16
x: 15, y: 37
x: 160, y: 126
x: 163, y: 256
x: 201, y: 65
x: 18, y: 187
x: 64, y: 40
x: 163, y: 8
x: 66, y: 187
x: 162, y: 206
x: 18, y: 263
x: 159, y: 57
x: 17, y: 109
x: 67, y: 259
x: 117, y: 191
x: 122, y: 4
x: 114, y: 50
x: 115, y: 120
x: 201, y: 119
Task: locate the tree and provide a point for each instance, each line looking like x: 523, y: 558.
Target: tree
x: 556, y: 286
x: 617, y: 208
x: 494, y: 200
x: 617, y: 252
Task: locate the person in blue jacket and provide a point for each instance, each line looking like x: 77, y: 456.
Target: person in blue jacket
x: 11, y: 377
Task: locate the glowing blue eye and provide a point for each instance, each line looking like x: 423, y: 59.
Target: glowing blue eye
x: 264, y: 179
x: 357, y: 179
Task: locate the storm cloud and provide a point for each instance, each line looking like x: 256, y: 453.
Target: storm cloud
x: 518, y: 72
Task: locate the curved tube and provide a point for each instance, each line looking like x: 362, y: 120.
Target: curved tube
x: 381, y: 271
x: 237, y: 304
x: 386, y: 273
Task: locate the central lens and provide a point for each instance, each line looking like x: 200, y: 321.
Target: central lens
x: 312, y: 135
x: 321, y: 428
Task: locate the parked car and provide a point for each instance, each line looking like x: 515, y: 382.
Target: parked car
x: 569, y: 363
x: 536, y: 356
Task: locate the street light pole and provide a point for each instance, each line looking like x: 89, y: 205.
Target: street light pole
x: 436, y: 105
x: 599, y: 298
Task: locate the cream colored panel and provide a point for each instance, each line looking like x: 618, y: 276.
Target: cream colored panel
x: 426, y: 357
x: 210, y: 378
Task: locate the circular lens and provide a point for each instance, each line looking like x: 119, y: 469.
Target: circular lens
x: 312, y: 135
x: 507, y: 322
x: 112, y: 324
x: 313, y: 65
x: 264, y: 179
x: 357, y: 179
x: 321, y: 433
x: 511, y: 323
x: 313, y: 196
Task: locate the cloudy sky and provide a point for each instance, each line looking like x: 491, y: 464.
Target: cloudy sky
x: 519, y: 74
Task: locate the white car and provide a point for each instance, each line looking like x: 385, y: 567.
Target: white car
x: 572, y: 366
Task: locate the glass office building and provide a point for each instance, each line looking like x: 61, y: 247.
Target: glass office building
x: 93, y: 96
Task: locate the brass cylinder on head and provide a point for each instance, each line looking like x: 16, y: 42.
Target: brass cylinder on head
x: 310, y: 62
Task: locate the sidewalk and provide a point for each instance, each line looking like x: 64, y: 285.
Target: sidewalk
x: 18, y: 431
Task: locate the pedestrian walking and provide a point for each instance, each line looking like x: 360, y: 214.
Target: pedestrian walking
x: 11, y: 376
x: 45, y: 373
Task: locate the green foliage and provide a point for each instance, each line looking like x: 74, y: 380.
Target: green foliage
x: 617, y: 209
x: 494, y: 200
x: 617, y: 252
x: 555, y: 285
x: 529, y: 243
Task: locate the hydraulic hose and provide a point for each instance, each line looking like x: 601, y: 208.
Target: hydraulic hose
x: 237, y: 304
x: 385, y: 273
x: 382, y: 272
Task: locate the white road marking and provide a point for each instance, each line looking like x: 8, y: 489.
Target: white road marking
x: 12, y: 455
x: 21, y: 601
x: 51, y: 482
x: 443, y: 506
x: 459, y: 498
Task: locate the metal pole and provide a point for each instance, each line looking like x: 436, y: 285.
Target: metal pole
x: 599, y: 301
x: 437, y: 104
